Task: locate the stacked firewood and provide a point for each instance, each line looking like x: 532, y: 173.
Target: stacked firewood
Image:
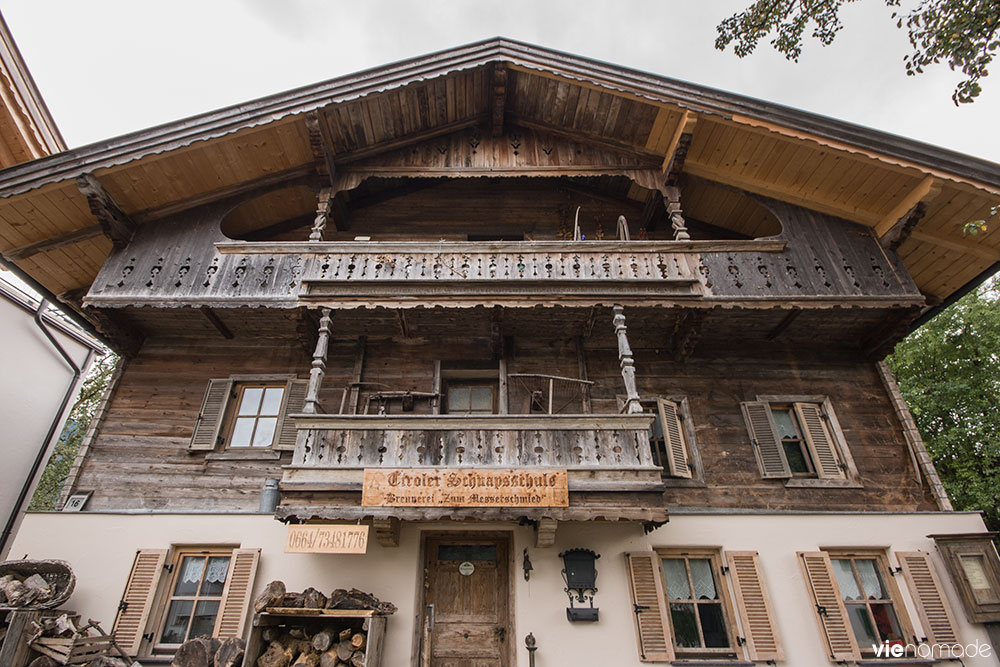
x: 299, y: 646
x: 295, y: 646
x: 24, y: 591
x: 210, y: 652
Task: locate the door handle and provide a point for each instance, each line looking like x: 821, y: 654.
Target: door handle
x: 430, y: 617
x: 501, y: 634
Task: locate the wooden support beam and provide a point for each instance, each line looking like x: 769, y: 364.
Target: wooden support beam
x: 359, y: 365
x: 782, y: 192
x: 898, y: 233
x: 785, y: 322
x: 680, y: 142
x: 925, y: 191
x: 216, y: 322
x: 318, y: 367
x: 115, y: 224
x: 575, y: 135
x: 54, y: 242
x: 626, y: 362
x: 581, y: 364
x: 545, y: 533
x: 409, y: 139
x: 499, y: 97
x: 672, y: 201
x: 404, y: 330
x: 324, y: 201
x: 321, y: 144
x: 960, y: 244
x: 387, y: 531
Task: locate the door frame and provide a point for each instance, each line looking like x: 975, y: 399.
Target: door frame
x: 509, y: 655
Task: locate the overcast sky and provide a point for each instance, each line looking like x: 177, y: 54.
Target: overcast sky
x: 107, y: 67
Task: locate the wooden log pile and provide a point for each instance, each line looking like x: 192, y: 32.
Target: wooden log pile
x: 294, y: 646
x: 210, y: 652
x: 18, y: 591
x: 275, y: 595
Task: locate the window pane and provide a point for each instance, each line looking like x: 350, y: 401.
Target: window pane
x: 178, y: 615
x: 796, y: 458
x: 215, y: 575
x: 204, y: 618
x: 862, y: 624
x: 845, y: 579
x: 272, y: 401
x: 685, y: 625
x: 242, y: 432
x: 785, y: 422
x: 677, y: 580
x: 701, y: 577
x: 481, y: 399
x: 251, y: 400
x: 265, y: 431
x: 713, y: 625
x: 458, y: 399
x: 886, y: 622
x: 871, y: 582
x: 190, y: 575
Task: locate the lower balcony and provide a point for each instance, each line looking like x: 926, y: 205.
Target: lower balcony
x: 599, y: 467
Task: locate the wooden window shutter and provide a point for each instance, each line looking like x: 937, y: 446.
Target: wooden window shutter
x: 829, y: 606
x: 133, y: 611
x: 677, y: 457
x: 932, y: 606
x: 754, y: 606
x: 824, y: 452
x: 766, y: 443
x: 236, y: 595
x: 296, y: 392
x: 213, y: 407
x: 649, y: 607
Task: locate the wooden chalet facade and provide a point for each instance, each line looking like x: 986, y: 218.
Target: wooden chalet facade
x: 496, y: 304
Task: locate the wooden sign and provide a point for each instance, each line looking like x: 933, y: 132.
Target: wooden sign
x: 450, y: 487
x: 326, y: 539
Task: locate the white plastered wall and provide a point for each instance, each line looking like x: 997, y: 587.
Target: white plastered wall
x: 101, y: 548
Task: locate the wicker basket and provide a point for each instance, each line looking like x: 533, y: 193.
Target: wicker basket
x: 58, y: 573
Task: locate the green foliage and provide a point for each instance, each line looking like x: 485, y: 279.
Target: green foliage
x: 949, y: 373
x: 57, y: 470
x: 962, y: 33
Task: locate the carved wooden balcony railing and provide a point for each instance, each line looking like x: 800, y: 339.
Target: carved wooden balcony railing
x: 605, y: 457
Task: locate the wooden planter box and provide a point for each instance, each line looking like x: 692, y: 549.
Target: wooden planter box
x: 75, y: 651
x: 315, y: 620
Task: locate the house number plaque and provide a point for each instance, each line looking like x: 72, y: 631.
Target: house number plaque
x: 326, y: 539
x: 450, y: 487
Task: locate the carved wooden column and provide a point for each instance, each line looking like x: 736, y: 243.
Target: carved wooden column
x: 627, y: 363
x: 672, y: 195
x: 324, y: 201
x: 318, y: 369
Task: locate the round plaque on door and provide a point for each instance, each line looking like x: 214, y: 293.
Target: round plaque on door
x: 466, y: 569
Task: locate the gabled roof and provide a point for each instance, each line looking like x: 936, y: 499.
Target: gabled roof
x: 854, y: 172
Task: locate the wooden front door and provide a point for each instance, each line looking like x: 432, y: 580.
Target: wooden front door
x: 467, y: 597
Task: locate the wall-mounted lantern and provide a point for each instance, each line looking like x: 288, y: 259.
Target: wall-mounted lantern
x: 580, y: 574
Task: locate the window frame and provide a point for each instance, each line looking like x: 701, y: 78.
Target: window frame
x: 164, y: 596
x: 841, y: 449
x: 231, y: 414
x: 888, y: 576
x: 953, y: 547
x: 688, y: 433
x: 737, y: 648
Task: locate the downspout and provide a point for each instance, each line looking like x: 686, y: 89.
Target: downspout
x: 55, y: 424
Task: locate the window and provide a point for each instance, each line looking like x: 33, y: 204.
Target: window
x: 245, y: 414
x: 869, y: 605
x: 683, y: 610
x: 671, y: 438
x: 697, y: 616
x: 974, y: 566
x: 798, y: 439
x: 470, y: 399
x: 199, y: 579
x: 175, y: 594
x: 255, y: 422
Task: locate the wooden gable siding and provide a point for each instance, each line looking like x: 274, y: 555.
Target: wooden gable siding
x: 140, y: 458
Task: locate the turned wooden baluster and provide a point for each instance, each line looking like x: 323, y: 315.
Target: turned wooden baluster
x: 318, y: 369
x: 627, y: 363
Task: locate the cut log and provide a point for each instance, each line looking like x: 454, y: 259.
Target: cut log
x: 292, y: 600
x: 299, y: 633
x: 230, y: 653
x: 270, y: 634
x: 329, y: 659
x: 42, y: 588
x: 345, y: 650
x: 106, y: 661
x: 273, y: 595
x: 43, y: 661
x: 307, y: 660
x: 355, y: 599
x: 322, y: 641
x: 344, y: 635
x: 313, y: 599
x: 358, y: 641
x: 274, y: 656
x: 198, y: 652
x: 358, y: 659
